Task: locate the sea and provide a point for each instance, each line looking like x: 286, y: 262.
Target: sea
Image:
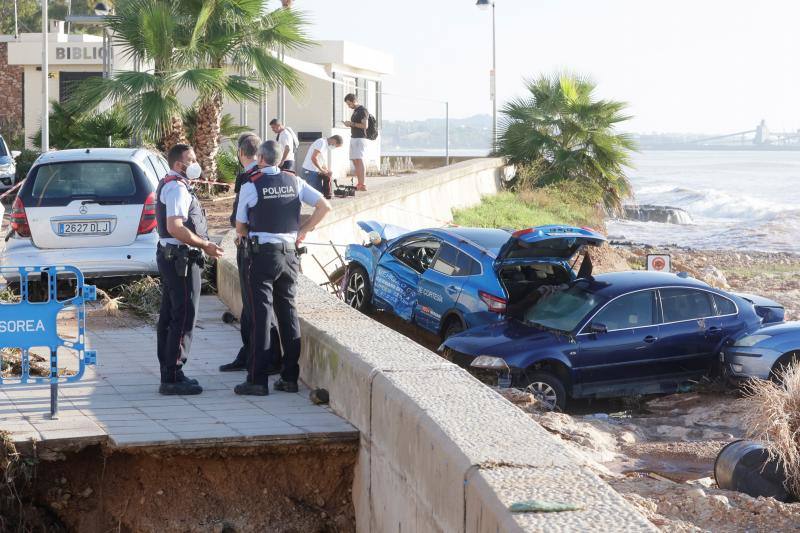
x: 737, y: 200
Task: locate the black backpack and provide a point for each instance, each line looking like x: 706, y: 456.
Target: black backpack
x: 372, y: 128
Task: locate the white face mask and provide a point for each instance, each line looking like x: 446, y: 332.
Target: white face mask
x: 193, y: 171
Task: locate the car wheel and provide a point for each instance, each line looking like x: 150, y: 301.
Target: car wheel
x: 357, y: 292
x: 781, y: 364
x: 548, y: 390
x: 453, y: 326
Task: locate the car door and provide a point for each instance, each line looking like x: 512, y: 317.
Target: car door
x: 629, y: 342
x: 439, y: 288
x: 396, y: 280
x: 690, y: 331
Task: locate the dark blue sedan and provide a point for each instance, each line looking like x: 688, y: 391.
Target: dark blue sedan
x: 447, y: 280
x: 625, y: 333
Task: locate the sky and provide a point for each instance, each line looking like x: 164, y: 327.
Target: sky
x: 694, y: 66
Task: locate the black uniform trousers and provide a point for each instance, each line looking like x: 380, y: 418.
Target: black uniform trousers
x: 273, y: 287
x: 180, y: 301
x: 245, y: 320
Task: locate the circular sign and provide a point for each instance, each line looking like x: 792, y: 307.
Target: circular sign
x: 659, y: 263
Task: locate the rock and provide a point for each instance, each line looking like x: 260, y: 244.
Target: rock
x: 86, y: 492
x: 714, y: 277
x: 627, y: 437
x: 159, y: 492
x: 723, y: 500
x: 696, y: 493
x: 657, y: 213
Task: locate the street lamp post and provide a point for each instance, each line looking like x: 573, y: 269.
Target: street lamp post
x: 486, y: 4
x: 45, y: 82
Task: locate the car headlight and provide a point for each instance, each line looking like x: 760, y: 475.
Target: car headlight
x: 6, y: 169
x: 488, y: 362
x: 751, y: 340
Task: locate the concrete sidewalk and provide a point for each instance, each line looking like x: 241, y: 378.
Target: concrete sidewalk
x: 118, y: 400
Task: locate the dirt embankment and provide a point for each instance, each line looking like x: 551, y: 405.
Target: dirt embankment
x: 292, y: 488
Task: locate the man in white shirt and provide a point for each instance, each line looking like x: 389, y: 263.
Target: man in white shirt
x: 288, y: 141
x: 268, y: 218
x: 315, y: 165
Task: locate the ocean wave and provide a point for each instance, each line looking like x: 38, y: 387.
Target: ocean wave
x: 714, y: 203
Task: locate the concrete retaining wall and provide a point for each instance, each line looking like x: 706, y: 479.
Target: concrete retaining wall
x: 439, y: 450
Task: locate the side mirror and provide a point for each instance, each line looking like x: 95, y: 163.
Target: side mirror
x: 374, y: 238
x: 597, y: 327
x: 15, y: 154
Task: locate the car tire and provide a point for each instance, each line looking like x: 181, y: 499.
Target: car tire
x: 784, y: 361
x: 357, y: 292
x: 547, y: 389
x: 453, y: 326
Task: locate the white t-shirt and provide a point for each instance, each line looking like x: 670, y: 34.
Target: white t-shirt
x: 285, y: 138
x: 321, y: 145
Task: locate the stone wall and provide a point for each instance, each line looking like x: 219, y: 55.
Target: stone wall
x: 439, y: 451
x: 11, y: 105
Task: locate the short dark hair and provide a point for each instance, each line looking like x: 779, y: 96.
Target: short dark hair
x: 350, y: 97
x: 337, y: 139
x: 249, y: 145
x: 270, y: 152
x: 274, y: 122
x: 175, y: 154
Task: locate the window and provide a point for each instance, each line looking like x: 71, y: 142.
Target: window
x: 152, y: 170
x: 467, y: 266
x: 102, y: 179
x: 67, y: 81
x: 417, y: 254
x: 563, y: 310
x: 446, y: 261
x: 343, y: 85
x: 724, y: 306
x: 630, y: 311
x: 685, y: 304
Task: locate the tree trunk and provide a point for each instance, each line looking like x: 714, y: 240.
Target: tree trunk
x: 207, y: 133
x: 174, y: 134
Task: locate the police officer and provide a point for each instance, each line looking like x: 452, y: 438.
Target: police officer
x: 248, y: 144
x: 183, y: 237
x: 268, y: 216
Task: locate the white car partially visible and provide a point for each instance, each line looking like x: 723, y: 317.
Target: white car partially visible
x: 92, y: 208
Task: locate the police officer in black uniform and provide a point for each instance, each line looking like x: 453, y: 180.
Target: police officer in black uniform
x: 248, y: 144
x: 183, y: 237
x: 268, y: 217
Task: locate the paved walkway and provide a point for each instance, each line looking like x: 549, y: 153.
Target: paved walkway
x: 118, y: 401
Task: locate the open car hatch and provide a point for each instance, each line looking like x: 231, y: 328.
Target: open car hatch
x: 546, y: 243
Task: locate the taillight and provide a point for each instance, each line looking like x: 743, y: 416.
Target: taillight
x: 147, y: 222
x: 19, y: 220
x: 495, y: 303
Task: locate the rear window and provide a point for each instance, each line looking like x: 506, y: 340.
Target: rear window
x: 84, y: 179
x: 724, y: 306
x: 685, y: 304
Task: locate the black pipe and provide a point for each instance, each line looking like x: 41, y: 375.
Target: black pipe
x: 745, y: 466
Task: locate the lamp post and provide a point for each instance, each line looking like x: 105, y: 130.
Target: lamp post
x: 45, y: 82
x: 483, y: 5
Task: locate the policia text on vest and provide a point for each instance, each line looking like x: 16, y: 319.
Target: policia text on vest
x: 268, y: 220
x: 183, y: 237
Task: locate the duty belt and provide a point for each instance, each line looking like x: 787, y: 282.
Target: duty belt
x: 182, y: 256
x: 252, y: 246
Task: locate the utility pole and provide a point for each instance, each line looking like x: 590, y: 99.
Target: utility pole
x: 45, y: 83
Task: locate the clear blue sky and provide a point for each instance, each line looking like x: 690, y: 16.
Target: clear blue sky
x: 683, y: 65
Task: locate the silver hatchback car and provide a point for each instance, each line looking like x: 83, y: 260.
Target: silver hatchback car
x: 93, y: 208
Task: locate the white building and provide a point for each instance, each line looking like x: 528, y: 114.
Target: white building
x: 328, y: 71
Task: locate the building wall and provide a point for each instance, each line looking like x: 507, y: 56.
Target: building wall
x: 11, y: 92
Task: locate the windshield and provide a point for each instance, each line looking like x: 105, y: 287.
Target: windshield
x: 3, y: 148
x: 563, y: 310
x: 102, y: 179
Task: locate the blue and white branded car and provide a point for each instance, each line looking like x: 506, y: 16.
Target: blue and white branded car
x: 617, y: 334
x: 447, y: 280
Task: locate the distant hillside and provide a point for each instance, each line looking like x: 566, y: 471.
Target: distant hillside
x: 473, y: 132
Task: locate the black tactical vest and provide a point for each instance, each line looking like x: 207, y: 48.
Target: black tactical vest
x: 278, y: 207
x: 196, y: 220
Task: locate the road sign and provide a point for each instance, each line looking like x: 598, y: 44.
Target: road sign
x: 25, y: 325
x: 658, y: 262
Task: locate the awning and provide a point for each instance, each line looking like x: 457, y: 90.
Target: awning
x: 311, y: 69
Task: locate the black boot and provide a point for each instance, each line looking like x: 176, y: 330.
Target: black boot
x: 285, y: 386
x: 251, y: 389
x: 186, y: 379
x: 174, y: 382
x: 235, y: 366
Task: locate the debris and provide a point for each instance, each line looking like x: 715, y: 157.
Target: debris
x: 541, y: 506
x: 319, y: 396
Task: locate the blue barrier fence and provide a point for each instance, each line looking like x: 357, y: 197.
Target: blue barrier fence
x: 27, y: 325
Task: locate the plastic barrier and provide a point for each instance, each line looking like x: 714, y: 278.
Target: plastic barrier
x: 26, y: 325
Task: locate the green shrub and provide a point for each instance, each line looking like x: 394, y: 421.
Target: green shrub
x: 227, y: 165
x: 25, y: 162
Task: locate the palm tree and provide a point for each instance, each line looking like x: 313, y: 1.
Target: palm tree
x: 153, y: 33
x: 240, y: 34
x: 568, y: 134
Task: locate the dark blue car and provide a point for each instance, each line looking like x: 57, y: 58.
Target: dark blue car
x: 625, y: 333
x: 447, y: 280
